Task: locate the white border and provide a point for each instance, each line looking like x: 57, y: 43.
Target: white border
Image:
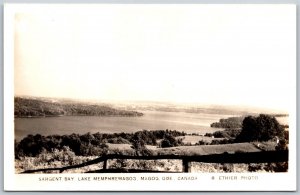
x: 18, y: 182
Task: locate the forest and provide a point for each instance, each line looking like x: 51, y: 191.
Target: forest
x: 28, y: 107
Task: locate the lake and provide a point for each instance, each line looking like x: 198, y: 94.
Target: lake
x: 152, y: 120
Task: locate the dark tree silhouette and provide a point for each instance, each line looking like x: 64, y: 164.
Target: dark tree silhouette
x: 261, y: 128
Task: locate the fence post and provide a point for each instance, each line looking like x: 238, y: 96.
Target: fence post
x: 105, y: 164
x: 186, y: 166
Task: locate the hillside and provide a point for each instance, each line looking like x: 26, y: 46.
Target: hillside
x: 29, y: 107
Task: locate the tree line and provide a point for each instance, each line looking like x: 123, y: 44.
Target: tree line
x: 93, y: 144
x: 231, y: 122
x: 26, y: 107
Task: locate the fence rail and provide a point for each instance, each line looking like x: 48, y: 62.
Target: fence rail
x: 252, y: 157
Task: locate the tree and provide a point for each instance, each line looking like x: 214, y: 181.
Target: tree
x: 170, y: 141
x: 165, y: 143
x: 261, y: 128
x: 139, y: 145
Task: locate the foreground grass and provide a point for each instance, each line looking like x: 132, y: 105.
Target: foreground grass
x: 199, y: 167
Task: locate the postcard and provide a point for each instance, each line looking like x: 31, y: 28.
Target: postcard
x: 150, y: 97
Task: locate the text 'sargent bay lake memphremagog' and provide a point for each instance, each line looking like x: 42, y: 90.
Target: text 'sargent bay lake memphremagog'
x: 118, y: 97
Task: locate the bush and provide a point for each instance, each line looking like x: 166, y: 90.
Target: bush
x: 31, y: 146
x: 282, y: 145
x: 208, y: 134
x: 277, y: 167
x: 222, y: 141
x: 65, y: 155
x: 218, y: 134
x: 227, y: 168
x: 170, y: 141
x: 254, y: 167
x: 201, y: 142
x: 165, y: 143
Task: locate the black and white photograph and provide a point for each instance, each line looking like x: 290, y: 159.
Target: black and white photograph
x: 150, y: 97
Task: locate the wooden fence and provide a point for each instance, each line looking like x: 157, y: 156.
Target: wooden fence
x: 252, y: 157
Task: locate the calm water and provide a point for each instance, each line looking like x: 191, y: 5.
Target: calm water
x: 152, y: 120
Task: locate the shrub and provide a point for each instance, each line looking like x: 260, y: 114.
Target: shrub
x: 65, y: 155
x: 118, y: 164
x: 165, y: 143
x: 208, y: 134
x: 227, y: 168
x: 222, y: 141
x: 218, y: 134
x: 277, y: 167
x: 170, y: 141
x: 254, y: 167
x: 201, y: 142
x: 282, y: 145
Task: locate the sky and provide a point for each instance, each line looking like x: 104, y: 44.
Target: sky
x: 207, y: 54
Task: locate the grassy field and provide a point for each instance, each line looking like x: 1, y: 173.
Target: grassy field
x: 193, y: 139
x: 210, y: 149
x: 203, y: 149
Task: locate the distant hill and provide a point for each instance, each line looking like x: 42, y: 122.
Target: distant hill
x: 34, y: 107
x: 198, y: 108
